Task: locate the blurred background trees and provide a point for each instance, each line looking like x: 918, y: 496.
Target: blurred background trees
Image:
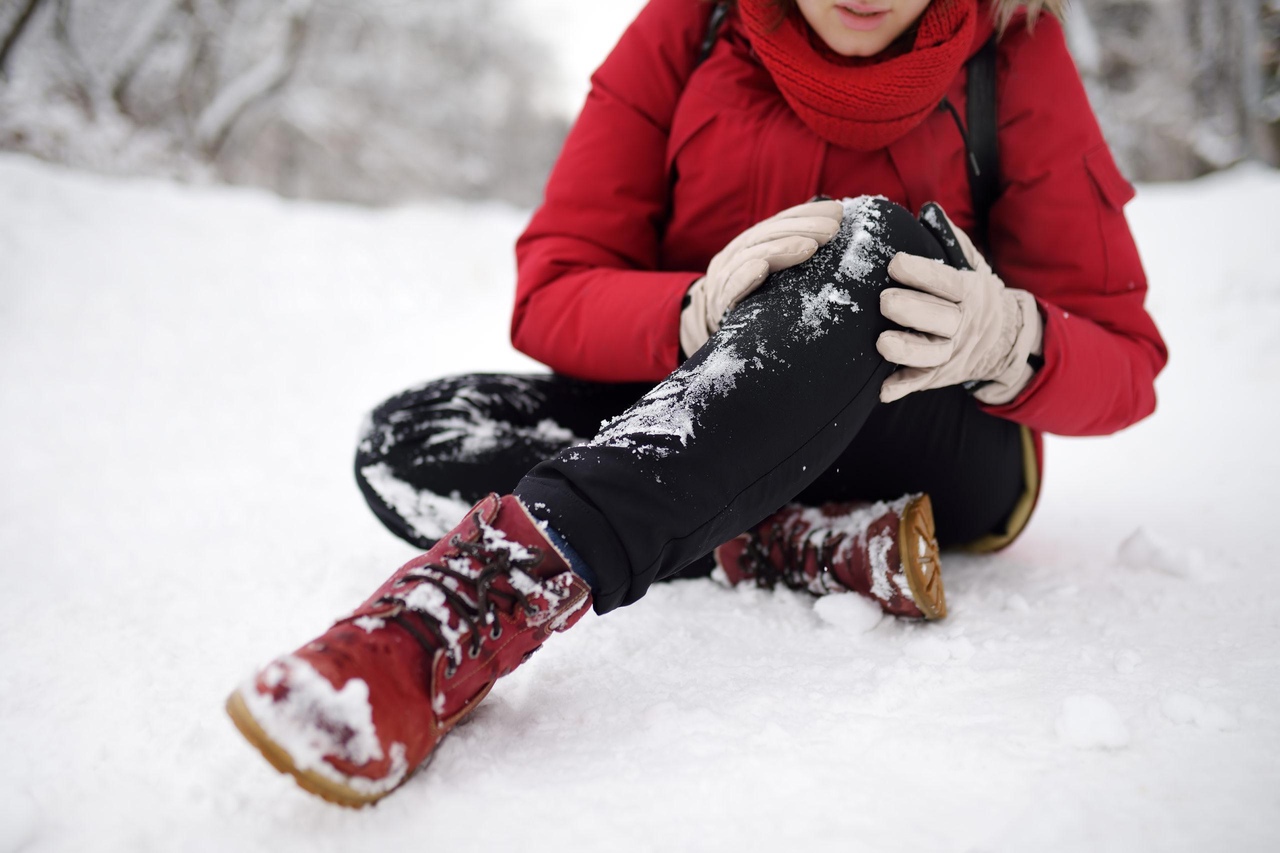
x: 1182, y: 87
x: 378, y: 101
x: 360, y: 100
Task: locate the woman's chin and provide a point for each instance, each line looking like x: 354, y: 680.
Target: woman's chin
x: 862, y: 44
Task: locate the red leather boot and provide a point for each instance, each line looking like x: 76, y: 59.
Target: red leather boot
x: 885, y: 551
x: 352, y: 714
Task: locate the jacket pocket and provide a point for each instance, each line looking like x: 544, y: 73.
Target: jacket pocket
x: 1123, y: 266
x: 1116, y: 191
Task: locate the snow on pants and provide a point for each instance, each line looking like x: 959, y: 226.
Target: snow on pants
x: 781, y: 404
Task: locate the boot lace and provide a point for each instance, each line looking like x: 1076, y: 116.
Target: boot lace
x: 474, y: 610
x: 793, y: 547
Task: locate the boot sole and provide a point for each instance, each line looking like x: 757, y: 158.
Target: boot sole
x: 918, y: 550
x: 277, y: 757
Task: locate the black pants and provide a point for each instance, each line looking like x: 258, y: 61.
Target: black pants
x: 782, y: 404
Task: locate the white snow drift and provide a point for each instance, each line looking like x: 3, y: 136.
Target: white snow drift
x: 182, y: 375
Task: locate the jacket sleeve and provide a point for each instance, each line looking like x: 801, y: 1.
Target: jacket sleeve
x: 1058, y: 230
x: 590, y: 301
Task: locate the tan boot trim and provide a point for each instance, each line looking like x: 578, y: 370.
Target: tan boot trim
x: 1021, y: 515
x: 308, y: 780
x: 923, y: 571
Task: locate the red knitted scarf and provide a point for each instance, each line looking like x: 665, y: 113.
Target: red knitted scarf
x: 863, y: 105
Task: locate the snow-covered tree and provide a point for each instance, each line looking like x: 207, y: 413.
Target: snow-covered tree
x: 366, y: 100
x: 382, y: 100
x: 1182, y: 87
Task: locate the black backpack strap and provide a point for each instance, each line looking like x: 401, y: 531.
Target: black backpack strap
x: 984, y: 150
x: 718, y: 13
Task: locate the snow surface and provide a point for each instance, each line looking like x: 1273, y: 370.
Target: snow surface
x: 182, y: 375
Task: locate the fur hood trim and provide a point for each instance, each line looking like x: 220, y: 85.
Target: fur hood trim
x: 1005, y: 10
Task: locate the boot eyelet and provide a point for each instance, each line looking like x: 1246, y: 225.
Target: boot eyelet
x: 473, y: 652
x: 450, y: 671
x: 496, y: 631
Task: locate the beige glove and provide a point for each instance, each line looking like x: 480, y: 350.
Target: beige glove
x: 783, y: 240
x: 963, y: 326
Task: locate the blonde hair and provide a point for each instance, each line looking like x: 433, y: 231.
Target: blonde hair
x: 1005, y: 10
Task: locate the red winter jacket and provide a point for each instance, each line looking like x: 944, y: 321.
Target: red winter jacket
x: 668, y: 162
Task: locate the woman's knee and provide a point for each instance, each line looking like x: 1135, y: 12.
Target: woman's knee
x: 836, y: 291
x: 467, y: 427
x: 874, y: 230
x: 426, y: 453
x: 417, y: 412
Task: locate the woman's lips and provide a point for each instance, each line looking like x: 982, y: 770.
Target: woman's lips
x: 859, y: 16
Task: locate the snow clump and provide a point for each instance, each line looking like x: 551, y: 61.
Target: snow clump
x: 671, y: 409
x: 855, y: 614
x: 313, y: 719
x: 866, y: 248
x: 817, y: 310
x: 933, y: 649
x: 1088, y: 721
x: 1144, y: 550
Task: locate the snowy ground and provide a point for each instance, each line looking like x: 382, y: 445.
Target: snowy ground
x: 182, y: 373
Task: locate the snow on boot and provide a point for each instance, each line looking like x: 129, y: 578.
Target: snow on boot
x: 352, y: 714
x: 885, y: 551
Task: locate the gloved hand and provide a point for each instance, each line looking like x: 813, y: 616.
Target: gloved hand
x: 963, y: 325
x: 783, y: 240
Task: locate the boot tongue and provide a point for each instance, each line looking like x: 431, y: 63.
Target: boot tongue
x: 496, y: 541
x: 516, y: 531
x: 501, y: 562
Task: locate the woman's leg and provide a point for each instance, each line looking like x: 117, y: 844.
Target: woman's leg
x: 867, y: 523
x: 938, y: 442
x: 428, y: 454
x: 746, y: 424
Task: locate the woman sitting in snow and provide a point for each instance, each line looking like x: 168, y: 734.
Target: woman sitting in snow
x: 829, y: 374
